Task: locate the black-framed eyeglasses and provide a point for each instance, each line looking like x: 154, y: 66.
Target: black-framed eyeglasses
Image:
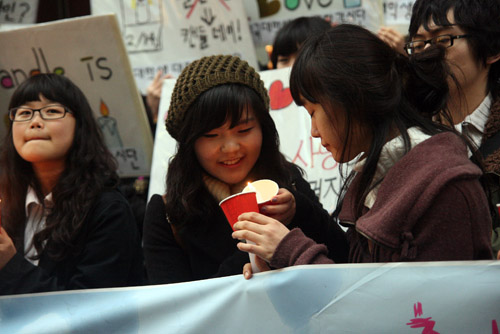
x: 24, y: 114
x: 442, y: 40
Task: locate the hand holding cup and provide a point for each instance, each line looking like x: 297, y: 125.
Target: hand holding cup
x: 233, y: 206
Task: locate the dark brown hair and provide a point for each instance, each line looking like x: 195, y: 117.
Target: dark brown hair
x: 374, y: 85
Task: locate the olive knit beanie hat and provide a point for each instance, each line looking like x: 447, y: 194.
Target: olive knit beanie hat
x: 206, y: 73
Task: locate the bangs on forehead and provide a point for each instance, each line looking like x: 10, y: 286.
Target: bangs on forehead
x: 31, y: 92
x: 438, y: 20
x: 226, y: 102
x: 304, y: 83
x: 285, y: 44
x: 435, y: 13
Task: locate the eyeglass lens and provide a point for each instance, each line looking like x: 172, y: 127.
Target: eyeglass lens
x: 47, y: 112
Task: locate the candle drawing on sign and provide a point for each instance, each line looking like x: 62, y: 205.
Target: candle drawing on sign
x: 109, y: 127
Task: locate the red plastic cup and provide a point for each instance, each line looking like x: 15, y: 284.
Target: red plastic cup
x: 498, y: 207
x: 235, y: 205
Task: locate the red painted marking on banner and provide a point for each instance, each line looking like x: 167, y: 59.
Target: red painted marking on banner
x: 426, y: 323
x: 417, y: 309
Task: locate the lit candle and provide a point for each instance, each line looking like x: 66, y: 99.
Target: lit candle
x: 249, y: 188
x: 265, y: 189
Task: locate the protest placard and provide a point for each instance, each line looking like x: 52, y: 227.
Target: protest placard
x: 90, y: 51
x: 266, y: 17
x: 166, y: 34
x: 18, y: 11
x: 397, y: 14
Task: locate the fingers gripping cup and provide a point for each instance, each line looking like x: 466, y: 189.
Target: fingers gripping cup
x: 235, y: 205
x: 265, y: 189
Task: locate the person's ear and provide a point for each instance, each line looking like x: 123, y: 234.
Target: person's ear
x: 493, y: 59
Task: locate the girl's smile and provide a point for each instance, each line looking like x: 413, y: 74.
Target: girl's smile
x: 232, y: 162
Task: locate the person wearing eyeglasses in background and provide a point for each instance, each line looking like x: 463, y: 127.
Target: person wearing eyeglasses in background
x: 470, y: 30
x: 64, y: 225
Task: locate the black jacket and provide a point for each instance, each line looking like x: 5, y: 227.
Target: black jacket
x: 111, y: 255
x: 210, y: 251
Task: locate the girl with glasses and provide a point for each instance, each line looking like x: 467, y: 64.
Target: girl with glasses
x: 64, y: 226
x: 413, y: 194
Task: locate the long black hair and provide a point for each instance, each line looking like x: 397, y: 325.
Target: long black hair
x: 187, y: 198
x: 89, y: 168
x: 375, y: 86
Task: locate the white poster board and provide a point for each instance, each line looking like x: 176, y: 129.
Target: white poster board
x: 88, y: 50
x: 397, y: 14
x: 18, y: 11
x: 266, y: 17
x: 168, y: 34
x: 294, y: 128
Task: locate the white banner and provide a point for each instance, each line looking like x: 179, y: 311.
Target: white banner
x: 89, y: 51
x: 294, y: 128
x: 168, y: 34
x: 413, y: 298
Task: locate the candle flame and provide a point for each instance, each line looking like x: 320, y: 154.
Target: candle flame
x: 249, y: 187
x: 104, y: 109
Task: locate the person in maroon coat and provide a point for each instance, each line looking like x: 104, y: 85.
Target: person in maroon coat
x: 413, y: 195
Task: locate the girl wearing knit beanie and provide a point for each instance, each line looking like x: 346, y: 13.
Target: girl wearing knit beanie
x: 219, y: 115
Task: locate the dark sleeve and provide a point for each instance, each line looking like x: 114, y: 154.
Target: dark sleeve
x: 111, y: 255
x: 457, y: 226
x: 233, y: 265
x: 316, y: 223
x: 495, y: 240
x: 21, y: 276
x: 296, y: 249
x: 166, y: 261
x: 491, y: 182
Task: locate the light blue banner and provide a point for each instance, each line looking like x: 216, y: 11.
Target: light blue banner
x: 438, y: 297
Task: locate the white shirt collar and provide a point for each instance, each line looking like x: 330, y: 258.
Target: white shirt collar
x: 473, y: 125
x: 479, y: 117
x: 35, y: 221
x: 31, y: 197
